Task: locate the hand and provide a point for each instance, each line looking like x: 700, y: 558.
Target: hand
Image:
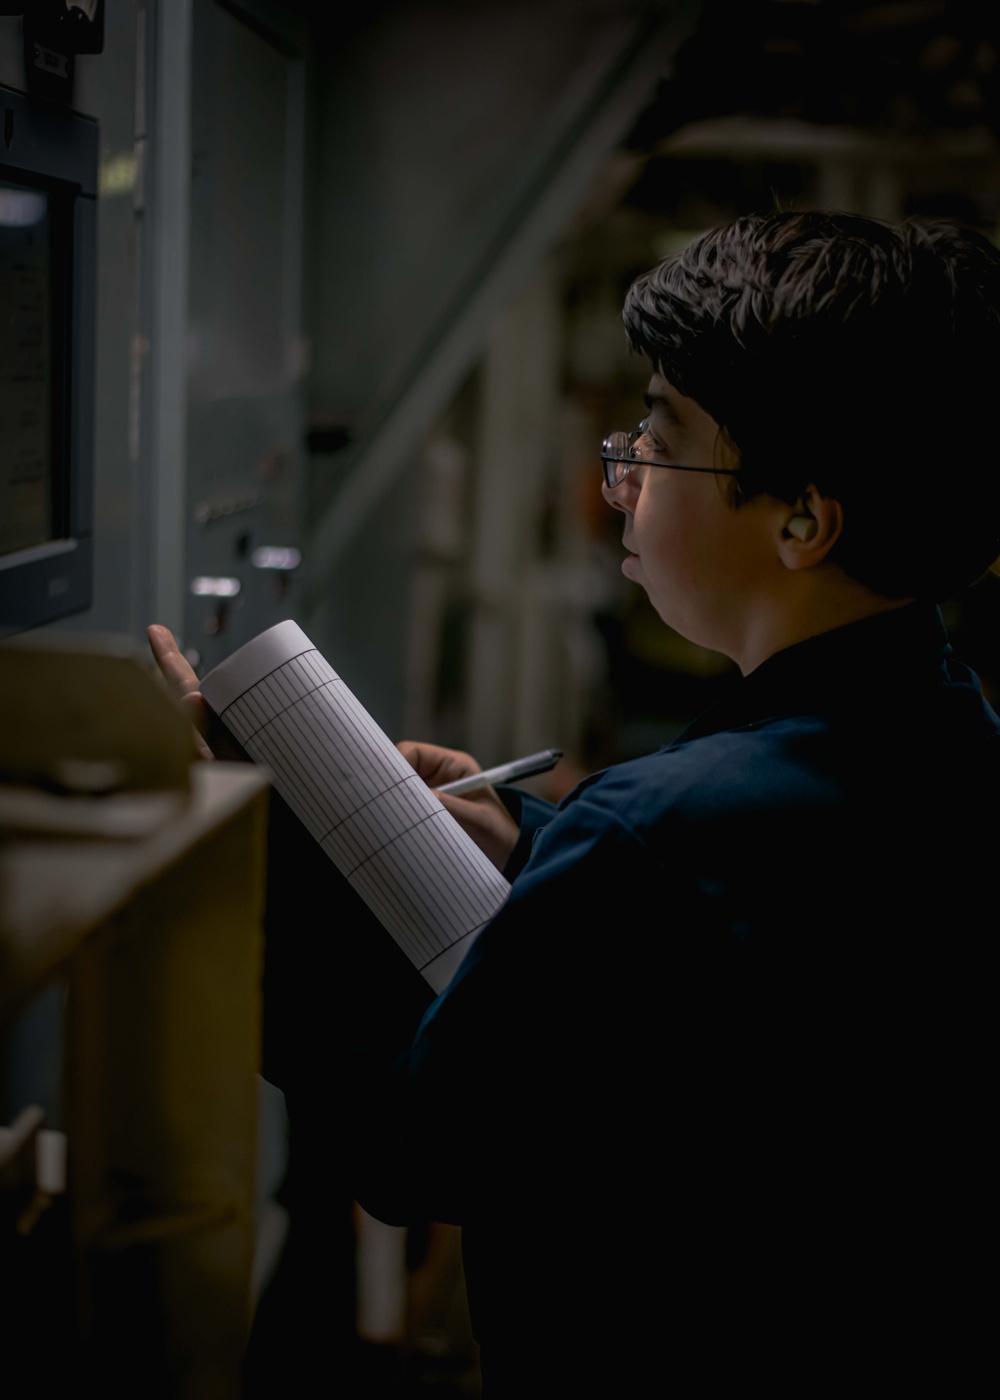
x: 214, y: 740
x: 480, y: 814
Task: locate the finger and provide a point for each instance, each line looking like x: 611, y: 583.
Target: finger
x: 488, y: 823
x: 182, y: 682
x: 200, y: 740
x: 469, y: 804
x: 197, y: 708
x: 435, y: 764
x: 174, y: 666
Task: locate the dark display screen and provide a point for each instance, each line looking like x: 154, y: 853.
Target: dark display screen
x: 27, y: 469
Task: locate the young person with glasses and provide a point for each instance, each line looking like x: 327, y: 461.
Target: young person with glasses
x: 710, y: 1096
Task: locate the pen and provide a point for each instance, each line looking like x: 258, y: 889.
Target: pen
x: 507, y: 772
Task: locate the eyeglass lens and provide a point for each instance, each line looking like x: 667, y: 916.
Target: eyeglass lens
x: 619, y: 454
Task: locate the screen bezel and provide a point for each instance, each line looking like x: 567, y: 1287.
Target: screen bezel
x: 56, y: 151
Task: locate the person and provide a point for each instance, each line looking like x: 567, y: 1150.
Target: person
x: 709, y: 1095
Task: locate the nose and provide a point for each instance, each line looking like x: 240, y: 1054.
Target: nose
x: 622, y: 497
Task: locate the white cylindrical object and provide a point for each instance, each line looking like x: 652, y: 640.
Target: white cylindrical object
x: 377, y: 820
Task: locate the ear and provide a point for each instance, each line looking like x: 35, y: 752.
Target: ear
x: 809, y: 529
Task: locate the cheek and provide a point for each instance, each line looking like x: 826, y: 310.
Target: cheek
x: 667, y: 535
x: 655, y: 514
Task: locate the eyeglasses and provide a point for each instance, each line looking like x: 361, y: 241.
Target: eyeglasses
x: 619, y: 456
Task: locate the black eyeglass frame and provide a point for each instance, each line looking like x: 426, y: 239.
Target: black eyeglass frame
x: 630, y: 459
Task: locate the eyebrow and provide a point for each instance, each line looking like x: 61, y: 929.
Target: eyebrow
x: 660, y: 401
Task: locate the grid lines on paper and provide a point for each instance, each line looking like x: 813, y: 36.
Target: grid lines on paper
x: 326, y: 765
x: 373, y: 815
x: 278, y: 691
x: 437, y: 908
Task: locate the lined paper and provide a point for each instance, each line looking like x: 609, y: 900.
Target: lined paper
x: 389, y: 836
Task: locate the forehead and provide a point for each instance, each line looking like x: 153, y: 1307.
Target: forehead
x: 661, y: 395
x: 666, y: 402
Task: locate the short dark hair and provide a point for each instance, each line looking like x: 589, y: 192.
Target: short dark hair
x: 855, y: 354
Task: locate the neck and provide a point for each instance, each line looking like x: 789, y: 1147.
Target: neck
x: 811, y: 616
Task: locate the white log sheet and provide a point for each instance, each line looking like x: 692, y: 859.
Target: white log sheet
x: 381, y: 825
